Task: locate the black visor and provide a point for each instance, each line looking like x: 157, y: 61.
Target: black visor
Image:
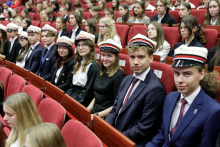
x: 31, y: 31
x: 185, y: 63
x: 63, y: 44
x: 10, y: 30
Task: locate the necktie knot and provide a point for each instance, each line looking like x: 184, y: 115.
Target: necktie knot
x: 183, y: 101
x: 134, y: 80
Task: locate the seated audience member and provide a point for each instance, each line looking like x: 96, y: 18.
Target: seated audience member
x: 191, y: 4
x: 102, y: 5
x: 107, y: 30
x: 26, y: 23
x: 61, y: 26
x: 155, y: 32
x: 50, y: 14
x: 21, y: 114
x: 204, y: 4
x: 12, y: 31
x: 192, y: 33
x: 213, y: 57
x: 176, y: 5
x: 1, y: 96
x: 47, y: 61
x: 18, y: 22
x: 131, y: 4
x: 190, y: 115
x: 4, y: 43
x: 44, y: 135
x: 95, y: 13
x: 15, y: 3
x: 90, y: 27
x: 64, y: 63
x: 28, y: 6
x: 75, y: 21
x: 14, y: 14
x: 184, y: 10
x: 45, y: 5
x: 77, y: 4
x: 80, y: 12
x: 6, y: 7
x: 212, y: 16
x: 32, y: 2
x: 39, y: 8
x: 63, y: 2
x: 25, y: 45
x: 43, y: 16
x: 8, y: 16
x: 24, y: 14
x: 55, y: 5
x: 111, y: 14
x: 139, y: 103
x: 85, y: 71
x: 90, y: 4
x: 124, y: 14
x: 64, y: 13
x: 69, y: 6
x: 139, y: 14
x: 148, y: 6
x: 162, y: 13
x: 2, y: 17
x: 115, y: 5
x: 33, y: 58
x: 107, y: 83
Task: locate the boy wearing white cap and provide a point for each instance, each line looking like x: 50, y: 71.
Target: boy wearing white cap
x: 47, y: 61
x: 138, y: 107
x: 14, y: 48
x: 191, y: 116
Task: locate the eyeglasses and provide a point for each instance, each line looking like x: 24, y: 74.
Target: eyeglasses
x: 102, y: 27
x: 82, y: 45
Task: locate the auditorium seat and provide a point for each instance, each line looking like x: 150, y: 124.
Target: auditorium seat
x: 35, y: 23
x: 151, y: 13
x: 156, y: 58
x: 175, y: 15
x: 22, y: 72
x: 52, y: 112
x: 54, y: 26
x: 136, y: 29
x: 153, y: 3
x: 19, y: 8
x: 5, y: 22
x: 211, y: 36
x: 124, y: 63
x: 35, y: 93
x: 4, y: 77
x: 36, y: 81
x: 85, y: 7
x: 102, y: 14
x: 76, y: 134
x: 86, y: 15
x: 69, y: 27
x: 58, y: 14
x: 165, y: 73
x: 122, y: 31
x: 117, y: 15
x: 37, y: 16
x: 32, y: 15
x: 10, y: 65
x: 2, y: 62
x: 41, y: 43
x: 35, y: 8
x: 169, y: 60
x: 109, y: 5
x: 98, y: 55
x: 214, y: 27
x: 43, y: 23
x: 196, y: 2
x: 200, y: 15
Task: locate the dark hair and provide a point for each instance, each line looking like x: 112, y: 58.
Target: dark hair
x: 104, y: 5
x: 187, y: 5
x: 81, y: 12
x: 92, y: 26
x: 126, y: 17
x: 26, y: 13
x: 23, y: 52
x: 166, y: 4
x: 9, y: 15
x: 59, y: 60
x: 117, y: 5
x: 28, y: 21
x: 56, y: 5
x: 96, y: 9
x: 93, y: 2
x: 63, y: 20
x: 133, y: 48
x: 70, y: 6
x: 112, y: 12
x: 143, y: 8
x: 4, y: 36
x: 0, y: 10
x: 190, y: 22
x: 208, y: 16
x: 77, y: 4
x: 77, y: 17
x: 215, y: 61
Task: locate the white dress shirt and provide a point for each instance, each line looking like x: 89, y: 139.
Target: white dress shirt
x: 73, y: 36
x: 49, y: 47
x: 22, y: 62
x: 130, y: 7
x: 213, y: 23
x: 58, y: 73
x: 150, y: 7
x: 12, y: 42
x: 136, y: 20
x: 160, y: 19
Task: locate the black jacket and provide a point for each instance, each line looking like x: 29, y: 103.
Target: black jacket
x: 167, y: 19
x: 64, y: 33
x: 77, y: 32
x: 14, y: 51
x: 211, y: 54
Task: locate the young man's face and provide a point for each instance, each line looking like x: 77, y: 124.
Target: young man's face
x: 139, y: 61
x: 33, y: 38
x: 5, y: 6
x: 47, y: 40
x: 12, y: 34
x: 50, y: 15
x: 187, y: 79
x: 72, y: 20
x: 160, y: 7
x: 63, y: 12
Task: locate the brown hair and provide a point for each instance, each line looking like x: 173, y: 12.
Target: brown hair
x: 112, y: 12
x: 81, y: 12
x: 4, y: 36
x: 49, y: 33
x: 77, y: 4
x: 117, y: 5
x: 215, y: 61
x: 143, y: 8
x: 77, y: 17
x: 166, y: 4
x: 23, y: 52
x: 59, y: 60
x: 126, y: 17
x: 26, y: 13
x: 49, y: 10
x: 29, y: 4
x: 208, y: 16
x: 104, y: 5
x: 134, y: 48
x: 92, y: 26
x: 63, y: 20
x: 96, y: 9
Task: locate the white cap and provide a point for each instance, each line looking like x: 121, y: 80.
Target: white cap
x: 33, y: 29
x: 49, y: 28
x: 66, y: 41
x: 12, y: 27
x: 4, y: 28
x: 24, y: 35
x: 84, y: 35
x: 110, y: 45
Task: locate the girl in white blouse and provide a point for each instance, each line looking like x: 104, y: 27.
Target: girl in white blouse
x: 20, y: 114
x: 155, y: 32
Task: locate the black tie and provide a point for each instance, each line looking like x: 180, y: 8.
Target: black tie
x: 45, y: 52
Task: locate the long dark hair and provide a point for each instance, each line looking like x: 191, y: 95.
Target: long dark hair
x: 59, y: 60
x: 26, y: 13
x: 9, y: 15
x: 57, y: 6
x: 208, y: 16
x: 92, y: 26
x: 143, y: 8
x: 117, y: 5
x: 28, y: 21
x: 23, y: 52
x: 126, y: 17
x: 63, y: 20
x: 187, y: 5
x: 70, y: 6
x: 4, y: 36
x: 215, y: 61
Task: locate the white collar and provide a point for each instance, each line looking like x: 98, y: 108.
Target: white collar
x: 191, y: 97
x: 131, y: 6
x: 33, y: 46
x: 213, y: 23
x: 66, y: 15
x: 75, y: 29
x: 49, y: 46
x: 162, y: 17
x: 13, y: 39
x: 143, y: 75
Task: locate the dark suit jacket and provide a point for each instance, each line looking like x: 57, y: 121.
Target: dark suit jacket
x: 140, y: 118
x: 67, y: 18
x: 46, y: 68
x: 199, y: 127
x: 33, y: 62
x: 211, y: 54
x: 167, y: 19
x: 14, y: 51
x: 65, y: 78
x: 6, y: 47
x: 53, y: 18
x: 77, y: 32
x: 64, y: 33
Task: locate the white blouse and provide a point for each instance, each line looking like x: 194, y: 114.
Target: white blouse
x: 21, y: 63
x: 17, y: 141
x: 164, y: 52
x: 58, y: 73
x: 116, y: 39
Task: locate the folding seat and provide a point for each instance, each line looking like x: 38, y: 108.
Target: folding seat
x: 165, y: 73
x: 19, y: 8
x: 35, y: 93
x: 136, y: 29
x: 5, y: 23
x: 169, y: 60
x: 10, y: 65
x: 175, y: 15
x: 35, y: 23
x: 211, y: 36
x: 156, y: 58
x: 34, y: 8
x: 151, y: 13
x: 124, y: 63
x: 32, y: 15
x: 200, y: 15
x: 43, y: 23
x: 37, y: 16
x: 153, y: 3
x: 85, y: 7
x: 41, y: 43
x: 196, y: 2
x: 76, y: 134
x: 22, y: 72
x: 108, y: 5
x: 102, y: 14
x: 4, y: 77
x: 52, y: 112
x: 86, y: 15
x: 122, y: 31
x: 58, y: 14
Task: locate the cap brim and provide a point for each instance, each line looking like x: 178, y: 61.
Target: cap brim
x: 185, y: 63
x: 108, y: 49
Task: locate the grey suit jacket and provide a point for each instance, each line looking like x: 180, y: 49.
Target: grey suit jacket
x: 144, y: 20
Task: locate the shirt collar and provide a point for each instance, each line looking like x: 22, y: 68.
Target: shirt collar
x: 65, y: 15
x: 191, y: 97
x: 75, y: 29
x: 33, y: 46
x: 131, y: 6
x: 143, y: 75
x: 213, y: 23
x: 12, y: 40
x: 49, y: 46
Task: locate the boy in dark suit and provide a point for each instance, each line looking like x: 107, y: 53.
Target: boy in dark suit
x: 64, y: 13
x: 50, y: 13
x: 191, y: 117
x: 138, y: 107
x: 47, y: 61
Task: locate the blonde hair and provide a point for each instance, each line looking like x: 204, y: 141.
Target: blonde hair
x: 40, y: 6
x: 111, y: 31
x: 27, y: 116
x: 45, y: 135
x: 42, y: 19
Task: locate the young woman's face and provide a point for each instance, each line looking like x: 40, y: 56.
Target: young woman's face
x: 89, y: 4
x: 213, y: 8
x: 10, y: 117
x: 122, y: 11
x: 94, y: 13
x: 63, y: 51
x: 23, y: 15
x: 24, y: 24
x: 13, y: 13
x: 184, y: 31
x: 6, y: 14
x: 114, y: 3
x: 67, y: 6
x: 151, y: 32
x: 23, y: 42
x: 27, y: 6
x: 59, y: 24
x: 87, y: 27
x: 183, y: 11
x: 137, y: 9
x: 53, y: 6
x: 107, y: 59
x: 107, y: 14
x: 83, y: 49
x: 100, y: 5
x: 44, y: 15
x: 102, y: 28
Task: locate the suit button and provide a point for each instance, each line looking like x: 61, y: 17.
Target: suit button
x: 63, y: 74
x: 62, y: 81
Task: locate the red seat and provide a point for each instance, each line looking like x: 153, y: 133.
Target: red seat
x: 41, y: 43
x: 136, y: 29
x: 58, y: 14
x: 69, y: 27
x: 131, y: 13
x: 37, y: 16
x: 165, y: 73
x: 86, y: 15
x: 32, y: 15
x: 196, y: 2
x: 150, y: 13
x: 200, y: 15
x: 80, y: 132
x: 153, y: 3
x: 4, y: 77
x: 175, y: 15
x: 52, y: 112
x: 122, y: 31
x: 5, y: 23
x: 19, y: 8
x: 83, y: 26
x: 34, y: 8
x: 108, y: 5
x: 54, y: 26
x: 43, y: 23
x: 124, y: 63
x: 85, y: 6
x: 2, y: 62
x: 117, y: 15
x: 15, y: 85
x: 102, y: 14
x: 124, y: 3
x: 35, y: 93
x: 211, y: 36
x: 35, y: 23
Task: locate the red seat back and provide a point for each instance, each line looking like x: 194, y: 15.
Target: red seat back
x: 124, y: 63
x: 58, y: 14
x: 37, y: 16
x: 196, y: 2
x: 108, y: 5
x: 98, y: 55
x: 4, y: 77
x: 5, y: 23
x: 34, y: 8
x: 117, y: 15
x: 211, y: 36
x: 69, y: 27
x: 35, y: 23
x: 136, y: 29
x: 54, y: 26
x: 102, y: 14
x: 32, y: 15
x: 43, y: 23
x: 153, y: 3
x: 122, y: 31
x: 85, y: 7
x: 200, y: 15
x: 19, y: 8
x: 86, y: 15
x: 151, y: 13
x: 175, y: 15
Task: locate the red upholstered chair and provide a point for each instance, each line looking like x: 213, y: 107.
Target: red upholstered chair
x: 109, y: 5
x: 69, y: 27
x: 124, y: 63
x: 134, y: 30
x: 125, y: 2
x: 165, y: 73
x: 52, y: 112
x: 41, y: 43
x: 5, y: 23
x: 86, y: 15
x: 34, y: 8
x: 122, y: 31
x: 102, y: 14
x: 15, y: 85
x: 19, y: 8
x: 131, y: 13
x: 2, y: 63
x: 175, y: 15
x: 58, y: 14
x: 151, y: 13
x: 76, y: 134
x: 196, y: 2
x: 117, y: 15
x: 85, y: 7
x: 43, y: 23
x: 35, y: 93
x: 37, y: 16
x: 153, y: 3
x: 200, y: 15
x: 32, y: 15
x: 4, y: 77
x: 54, y: 26
x: 211, y: 36
x: 35, y: 23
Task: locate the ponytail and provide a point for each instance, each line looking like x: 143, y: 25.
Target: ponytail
x: 199, y: 34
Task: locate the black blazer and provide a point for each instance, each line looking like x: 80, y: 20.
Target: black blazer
x: 30, y: 10
x: 211, y: 54
x: 53, y: 18
x: 33, y: 62
x: 64, y: 33
x: 167, y: 19
x: 194, y: 42
x: 14, y: 51
x: 67, y: 18
x: 65, y: 78
x: 77, y: 32
x: 96, y: 38
x: 6, y: 47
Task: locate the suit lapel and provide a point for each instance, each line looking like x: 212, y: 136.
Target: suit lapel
x: 48, y: 53
x: 60, y: 75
